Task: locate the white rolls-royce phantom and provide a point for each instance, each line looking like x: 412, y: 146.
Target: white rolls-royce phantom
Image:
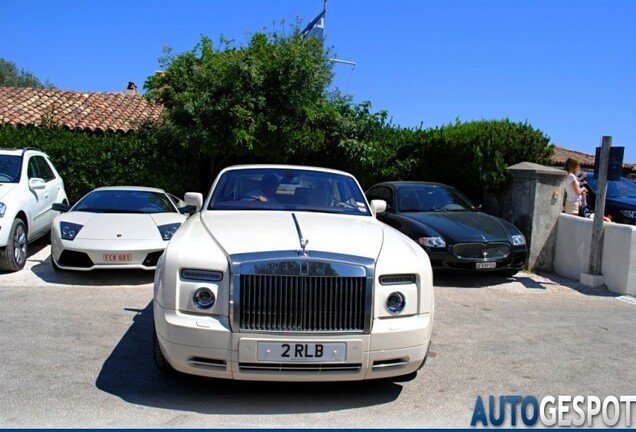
x: 285, y: 274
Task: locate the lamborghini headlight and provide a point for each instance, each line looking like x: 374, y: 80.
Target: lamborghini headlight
x: 69, y: 230
x: 167, y: 231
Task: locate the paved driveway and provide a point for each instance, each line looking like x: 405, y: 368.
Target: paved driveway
x: 75, y: 351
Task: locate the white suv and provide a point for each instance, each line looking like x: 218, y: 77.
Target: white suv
x: 29, y: 185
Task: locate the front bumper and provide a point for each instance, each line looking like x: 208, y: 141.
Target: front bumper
x: 516, y: 260
x: 206, y: 346
x: 5, y: 228
x: 86, y: 255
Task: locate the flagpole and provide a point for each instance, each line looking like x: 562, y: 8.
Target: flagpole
x: 335, y: 60
x: 324, y: 9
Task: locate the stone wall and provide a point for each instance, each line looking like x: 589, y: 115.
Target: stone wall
x: 533, y: 203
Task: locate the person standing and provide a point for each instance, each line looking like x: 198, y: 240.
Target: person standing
x: 574, y: 193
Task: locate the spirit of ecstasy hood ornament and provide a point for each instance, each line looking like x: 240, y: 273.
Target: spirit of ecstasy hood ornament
x: 303, y: 241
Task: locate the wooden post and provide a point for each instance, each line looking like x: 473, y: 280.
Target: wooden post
x: 596, y: 246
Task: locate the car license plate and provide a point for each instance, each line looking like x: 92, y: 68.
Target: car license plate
x: 485, y: 265
x: 118, y: 257
x: 306, y: 352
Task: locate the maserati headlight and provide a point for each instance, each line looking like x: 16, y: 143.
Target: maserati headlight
x: 627, y: 213
x: 432, y: 242
x: 167, y: 231
x: 3, y: 208
x: 518, y: 240
x: 69, y: 230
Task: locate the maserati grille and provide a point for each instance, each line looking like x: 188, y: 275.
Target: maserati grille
x: 488, y: 251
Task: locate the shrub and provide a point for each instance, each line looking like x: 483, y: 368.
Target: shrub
x: 87, y: 160
x: 471, y: 156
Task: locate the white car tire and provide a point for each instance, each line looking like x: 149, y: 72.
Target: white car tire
x: 15, y: 254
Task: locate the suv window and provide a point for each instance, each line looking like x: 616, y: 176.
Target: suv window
x: 39, y: 167
x: 10, y: 168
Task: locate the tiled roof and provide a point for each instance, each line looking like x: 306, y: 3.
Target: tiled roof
x: 75, y: 110
x: 586, y: 160
x: 561, y: 155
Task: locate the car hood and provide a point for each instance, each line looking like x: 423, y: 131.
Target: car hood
x: 5, y: 188
x: 626, y: 203
x: 113, y: 226
x: 263, y: 231
x: 463, y: 226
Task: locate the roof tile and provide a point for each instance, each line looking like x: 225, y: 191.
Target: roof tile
x: 76, y: 110
x: 586, y: 160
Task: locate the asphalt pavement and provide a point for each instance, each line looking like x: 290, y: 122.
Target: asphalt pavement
x: 76, y: 352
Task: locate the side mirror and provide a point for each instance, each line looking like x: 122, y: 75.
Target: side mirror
x: 187, y: 210
x: 61, y: 207
x: 378, y: 206
x: 36, y: 183
x: 194, y: 199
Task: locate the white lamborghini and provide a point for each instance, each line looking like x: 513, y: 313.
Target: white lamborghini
x: 114, y: 228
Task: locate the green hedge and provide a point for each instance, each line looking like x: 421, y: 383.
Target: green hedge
x: 87, y: 160
x: 471, y: 156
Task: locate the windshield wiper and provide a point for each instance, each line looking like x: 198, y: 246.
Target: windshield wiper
x: 123, y: 211
x: 90, y: 210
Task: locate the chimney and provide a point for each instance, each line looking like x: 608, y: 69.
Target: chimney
x: 131, y: 90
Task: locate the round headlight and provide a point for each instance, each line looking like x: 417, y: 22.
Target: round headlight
x: 204, y: 298
x: 395, y: 302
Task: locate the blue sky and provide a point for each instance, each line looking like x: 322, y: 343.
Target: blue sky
x: 567, y: 67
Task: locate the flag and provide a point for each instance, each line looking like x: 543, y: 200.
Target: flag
x: 316, y: 28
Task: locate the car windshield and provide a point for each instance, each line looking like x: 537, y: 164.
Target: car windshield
x: 623, y: 188
x: 288, y: 189
x: 125, y: 201
x: 10, y: 168
x: 425, y: 198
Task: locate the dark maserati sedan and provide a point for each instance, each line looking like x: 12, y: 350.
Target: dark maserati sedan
x: 451, y: 229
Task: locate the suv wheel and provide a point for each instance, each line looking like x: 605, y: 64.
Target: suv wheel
x: 15, y: 254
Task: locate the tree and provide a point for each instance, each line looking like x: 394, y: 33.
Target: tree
x: 10, y: 76
x: 263, y: 101
x: 354, y: 138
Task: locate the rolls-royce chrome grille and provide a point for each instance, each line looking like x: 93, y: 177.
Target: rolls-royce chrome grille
x: 482, y: 251
x: 302, y: 303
